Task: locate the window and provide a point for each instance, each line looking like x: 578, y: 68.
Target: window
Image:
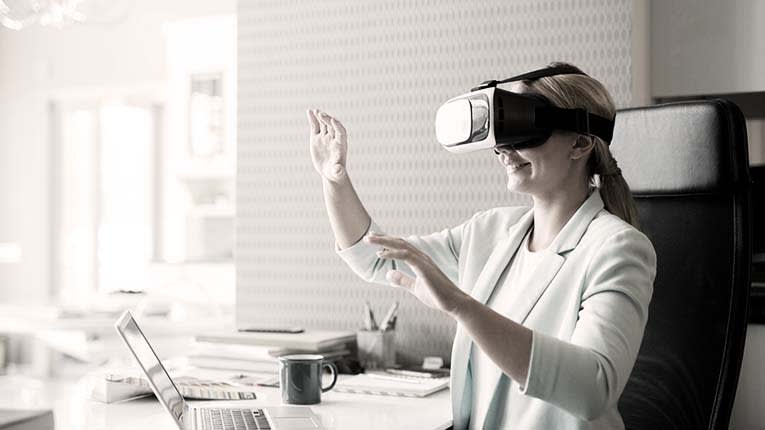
x: 144, y: 185
x: 104, y: 196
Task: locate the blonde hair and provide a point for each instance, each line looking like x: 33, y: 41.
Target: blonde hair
x: 572, y: 91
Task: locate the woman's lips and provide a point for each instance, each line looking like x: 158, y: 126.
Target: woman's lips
x: 514, y: 167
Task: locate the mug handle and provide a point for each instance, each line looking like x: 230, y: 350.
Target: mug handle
x: 333, y: 370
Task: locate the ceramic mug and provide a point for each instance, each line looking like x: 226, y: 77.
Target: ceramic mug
x: 300, y: 378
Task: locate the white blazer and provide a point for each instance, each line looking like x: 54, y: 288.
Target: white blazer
x: 586, y: 304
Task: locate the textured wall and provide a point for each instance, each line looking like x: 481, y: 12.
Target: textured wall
x: 383, y: 68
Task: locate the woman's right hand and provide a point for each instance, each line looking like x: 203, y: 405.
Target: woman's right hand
x: 329, y: 145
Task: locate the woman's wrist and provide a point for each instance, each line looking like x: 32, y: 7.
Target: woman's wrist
x: 461, y: 305
x: 336, y: 188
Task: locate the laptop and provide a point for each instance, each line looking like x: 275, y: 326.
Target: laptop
x: 191, y: 417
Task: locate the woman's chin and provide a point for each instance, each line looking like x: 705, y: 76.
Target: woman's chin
x: 515, y: 186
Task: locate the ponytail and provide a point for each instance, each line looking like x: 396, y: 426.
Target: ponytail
x: 616, y: 194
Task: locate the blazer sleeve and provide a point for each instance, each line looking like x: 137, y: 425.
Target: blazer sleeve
x: 586, y: 375
x: 442, y: 247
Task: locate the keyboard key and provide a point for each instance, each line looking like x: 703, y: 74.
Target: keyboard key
x: 249, y: 420
x: 238, y: 419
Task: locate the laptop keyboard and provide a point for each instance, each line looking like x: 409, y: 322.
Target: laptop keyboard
x: 234, y: 419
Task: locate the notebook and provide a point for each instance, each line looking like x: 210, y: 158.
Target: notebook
x: 384, y: 384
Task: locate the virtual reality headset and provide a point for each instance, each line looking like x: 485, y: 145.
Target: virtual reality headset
x: 490, y: 117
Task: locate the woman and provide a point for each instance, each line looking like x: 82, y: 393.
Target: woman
x: 551, y: 301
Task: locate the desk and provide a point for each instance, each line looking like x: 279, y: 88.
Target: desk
x: 93, y: 338
x: 338, y: 411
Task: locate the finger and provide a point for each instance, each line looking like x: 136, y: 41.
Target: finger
x: 327, y: 120
x: 324, y: 118
x: 339, y: 129
x: 322, y: 124
x: 374, y: 237
x: 404, y: 255
x: 400, y: 279
x: 312, y: 121
x: 387, y: 241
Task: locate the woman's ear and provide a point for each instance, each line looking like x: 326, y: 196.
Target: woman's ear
x: 582, y: 146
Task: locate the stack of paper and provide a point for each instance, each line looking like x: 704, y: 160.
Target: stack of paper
x: 248, y: 358
x: 310, y: 340
x: 259, y: 352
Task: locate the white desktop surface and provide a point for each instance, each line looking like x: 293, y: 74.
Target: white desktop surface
x: 338, y: 411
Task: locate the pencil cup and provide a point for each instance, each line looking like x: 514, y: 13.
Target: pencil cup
x: 377, y: 349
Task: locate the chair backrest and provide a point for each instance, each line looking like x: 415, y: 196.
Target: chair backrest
x: 688, y: 168
x: 758, y: 211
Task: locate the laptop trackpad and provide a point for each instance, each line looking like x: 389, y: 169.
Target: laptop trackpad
x: 294, y: 424
x: 292, y: 418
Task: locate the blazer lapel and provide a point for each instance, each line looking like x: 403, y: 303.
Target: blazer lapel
x: 523, y: 298
x: 500, y: 256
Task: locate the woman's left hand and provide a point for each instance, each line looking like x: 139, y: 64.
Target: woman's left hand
x: 431, y: 286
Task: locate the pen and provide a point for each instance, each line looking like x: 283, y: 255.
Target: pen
x: 369, y: 318
x: 385, y: 324
x: 392, y: 323
x: 268, y: 329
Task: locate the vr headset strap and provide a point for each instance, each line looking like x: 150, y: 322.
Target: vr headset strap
x: 532, y: 76
x: 542, y: 73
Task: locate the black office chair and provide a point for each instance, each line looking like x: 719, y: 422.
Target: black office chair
x: 688, y: 168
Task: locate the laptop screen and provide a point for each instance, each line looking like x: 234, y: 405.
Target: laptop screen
x: 160, y: 381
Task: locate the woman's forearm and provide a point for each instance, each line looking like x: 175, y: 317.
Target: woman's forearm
x: 347, y: 215
x: 505, y: 342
